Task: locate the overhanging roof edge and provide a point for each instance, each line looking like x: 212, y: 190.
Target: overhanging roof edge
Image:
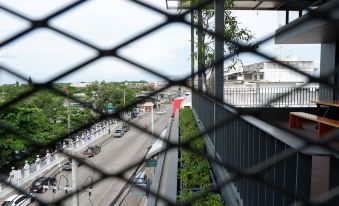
x: 311, y: 30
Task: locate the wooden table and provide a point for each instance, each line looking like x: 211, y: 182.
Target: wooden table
x: 324, y: 124
x: 328, y: 104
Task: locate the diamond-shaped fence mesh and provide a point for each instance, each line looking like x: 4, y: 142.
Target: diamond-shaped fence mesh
x: 243, y: 171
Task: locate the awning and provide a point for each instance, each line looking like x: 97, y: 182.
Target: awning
x: 308, y: 30
x: 253, y: 4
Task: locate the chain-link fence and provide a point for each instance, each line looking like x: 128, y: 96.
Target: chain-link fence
x: 232, y: 147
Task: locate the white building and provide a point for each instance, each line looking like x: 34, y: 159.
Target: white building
x: 272, y: 72
x: 257, y: 84
x: 80, y: 84
x: 187, y: 103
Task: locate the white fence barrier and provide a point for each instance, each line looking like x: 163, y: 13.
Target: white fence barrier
x: 19, y: 177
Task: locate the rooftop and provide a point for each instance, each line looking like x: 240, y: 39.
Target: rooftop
x: 310, y: 30
x: 254, y: 4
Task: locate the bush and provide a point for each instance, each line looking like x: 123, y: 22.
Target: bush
x: 194, y: 172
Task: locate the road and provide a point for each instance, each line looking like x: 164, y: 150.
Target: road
x: 116, y: 154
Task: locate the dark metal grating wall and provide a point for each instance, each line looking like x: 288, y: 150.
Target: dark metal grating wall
x: 264, y: 169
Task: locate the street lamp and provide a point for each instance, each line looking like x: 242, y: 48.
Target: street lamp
x: 152, y: 122
x: 55, y: 117
x: 74, y: 163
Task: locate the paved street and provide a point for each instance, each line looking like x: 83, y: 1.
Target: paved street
x: 116, y: 154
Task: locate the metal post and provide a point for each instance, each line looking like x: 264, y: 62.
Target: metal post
x: 192, y: 49
x: 69, y: 114
x: 200, y: 51
x: 218, y: 86
x: 152, y: 122
x: 336, y: 72
x: 124, y: 105
x: 287, y: 17
x: 74, y: 163
x: 74, y: 181
x: 219, y: 51
x: 124, y: 99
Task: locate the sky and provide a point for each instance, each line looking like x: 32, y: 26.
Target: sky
x: 105, y: 23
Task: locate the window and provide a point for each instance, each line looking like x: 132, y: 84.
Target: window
x: 261, y: 76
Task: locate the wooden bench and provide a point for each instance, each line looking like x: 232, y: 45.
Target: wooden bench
x: 324, y: 124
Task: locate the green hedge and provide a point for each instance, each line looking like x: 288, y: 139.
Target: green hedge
x: 195, y: 169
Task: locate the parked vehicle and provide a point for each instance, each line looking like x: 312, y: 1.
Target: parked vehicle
x: 118, y: 133
x: 67, y: 166
x: 134, y: 115
x: 91, y: 151
x: 140, y: 178
x: 125, y: 128
x: 16, y: 200
x: 58, y: 146
x: 38, y: 184
x: 161, y: 112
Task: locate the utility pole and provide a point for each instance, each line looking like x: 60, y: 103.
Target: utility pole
x: 74, y: 163
x: 124, y: 98
x: 124, y: 104
x: 152, y: 122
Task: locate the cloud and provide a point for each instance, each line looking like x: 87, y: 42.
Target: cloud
x: 105, y: 23
x: 166, y: 51
x: 109, y: 69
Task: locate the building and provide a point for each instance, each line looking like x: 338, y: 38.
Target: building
x: 80, y: 84
x: 256, y: 84
x: 272, y: 72
x: 187, y: 103
x: 252, y: 143
x: 147, y: 107
x: 72, y: 103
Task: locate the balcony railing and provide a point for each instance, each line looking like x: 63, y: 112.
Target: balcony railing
x: 262, y: 97
x: 244, y: 143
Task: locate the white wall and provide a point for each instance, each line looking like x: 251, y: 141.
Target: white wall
x: 276, y: 73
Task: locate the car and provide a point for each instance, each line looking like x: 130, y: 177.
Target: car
x: 91, y: 151
x: 58, y: 146
x: 161, y: 112
x: 67, y: 166
x: 140, y: 178
x: 118, y: 133
x: 134, y: 115
x: 16, y: 200
x: 38, y: 184
x: 125, y: 128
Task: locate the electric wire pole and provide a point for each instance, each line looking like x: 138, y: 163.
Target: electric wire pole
x: 124, y: 104
x: 74, y: 163
x: 152, y: 122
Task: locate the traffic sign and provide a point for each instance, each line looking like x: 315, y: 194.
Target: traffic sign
x: 151, y: 163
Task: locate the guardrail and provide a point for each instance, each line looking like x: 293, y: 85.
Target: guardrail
x: 261, y: 96
x: 156, y: 180
x: 21, y: 176
x: 247, y: 142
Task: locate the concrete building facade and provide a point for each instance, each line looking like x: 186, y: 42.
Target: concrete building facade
x: 273, y: 72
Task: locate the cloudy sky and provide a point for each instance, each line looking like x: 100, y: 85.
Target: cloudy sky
x: 105, y: 23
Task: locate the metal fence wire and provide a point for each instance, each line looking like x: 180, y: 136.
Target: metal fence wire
x: 255, y: 173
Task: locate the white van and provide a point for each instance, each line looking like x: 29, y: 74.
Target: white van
x: 140, y: 178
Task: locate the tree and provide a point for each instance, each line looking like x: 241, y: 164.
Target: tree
x: 30, y: 80
x: 232, y: 31
x: 100, y: 94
